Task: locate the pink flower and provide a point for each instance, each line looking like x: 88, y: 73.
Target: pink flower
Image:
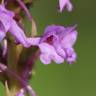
x: 65, y: 3
x: 57, y: 44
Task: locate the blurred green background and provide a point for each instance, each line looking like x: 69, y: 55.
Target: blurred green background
x: 78, y: 79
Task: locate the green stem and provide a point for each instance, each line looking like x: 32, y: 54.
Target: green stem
x: 12, y: 62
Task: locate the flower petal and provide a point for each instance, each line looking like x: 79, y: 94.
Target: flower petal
x: 69, y: 6
x: 45, y: 48
x: 57, y: 59
x: 69, y: 39
x: 71, y: 55
x: 45, y: 58
x: 65, y: 3
x: 45, y: 53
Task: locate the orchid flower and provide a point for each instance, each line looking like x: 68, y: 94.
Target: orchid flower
x: 57, y: 44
